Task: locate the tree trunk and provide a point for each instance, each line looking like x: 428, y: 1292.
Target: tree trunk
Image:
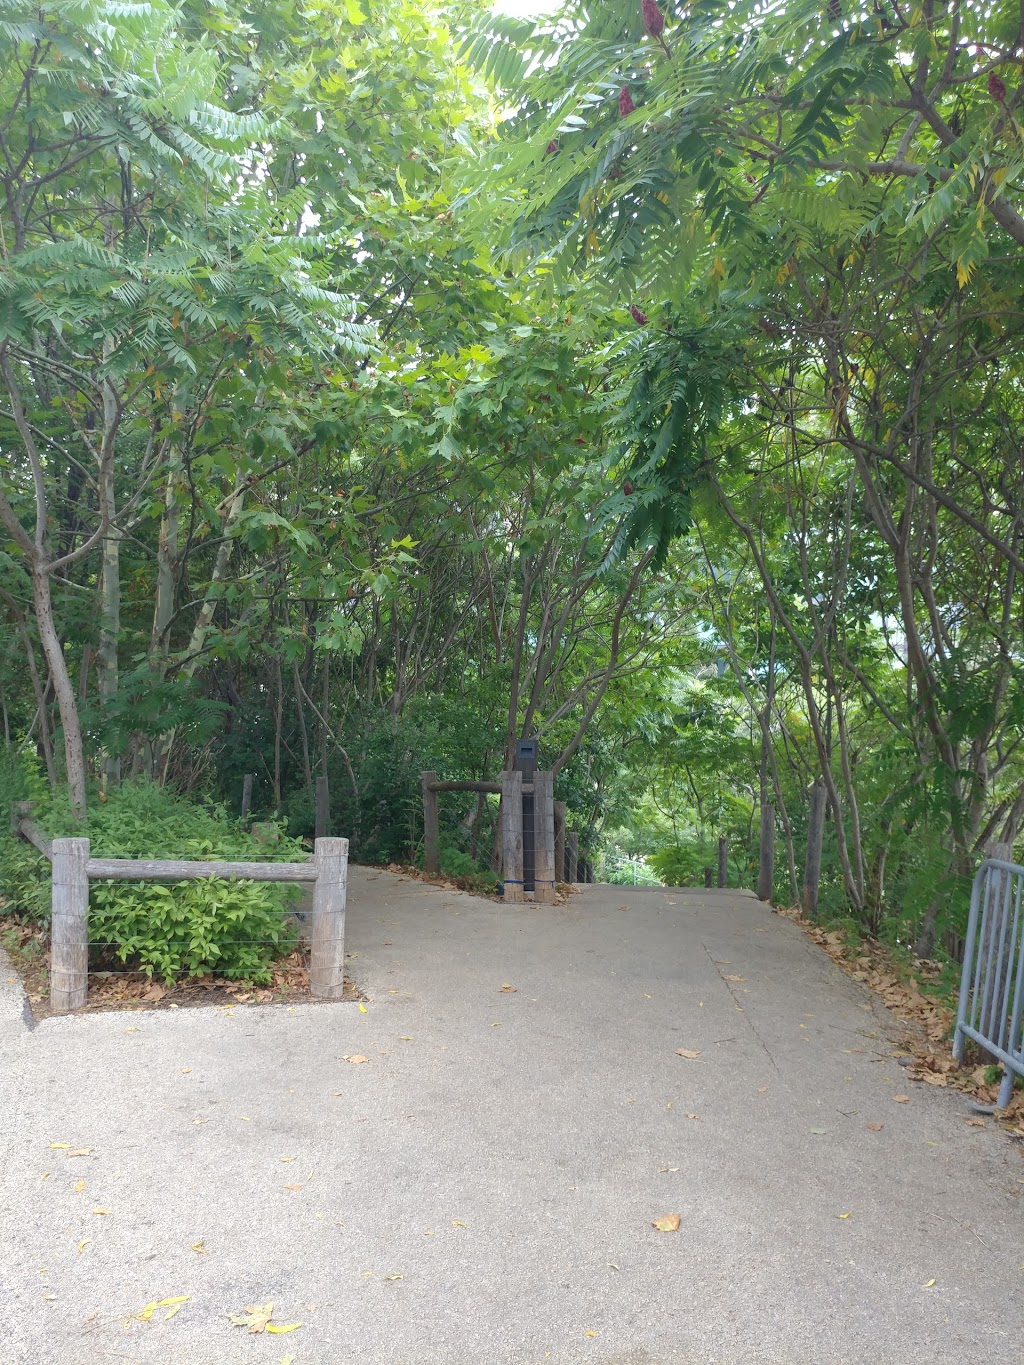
x: 74, y: 754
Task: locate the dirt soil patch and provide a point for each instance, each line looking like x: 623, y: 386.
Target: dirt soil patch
x: 28, y: 946
x: 928, y: 1023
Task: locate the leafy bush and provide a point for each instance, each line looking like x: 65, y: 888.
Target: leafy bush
x: 233, y: 929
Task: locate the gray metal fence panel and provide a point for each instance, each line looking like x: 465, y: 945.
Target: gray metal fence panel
x: 992, y: 981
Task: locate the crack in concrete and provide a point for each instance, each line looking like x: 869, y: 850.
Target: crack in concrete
x: 742, y: 1009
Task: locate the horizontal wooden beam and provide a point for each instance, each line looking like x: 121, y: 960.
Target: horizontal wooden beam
x: 36, y: 837
x: 471, y: 787
x: 132, y: 870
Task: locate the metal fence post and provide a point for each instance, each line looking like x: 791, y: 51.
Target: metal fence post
x: 323, y: 807
x: 69, y: 925
x: 327, y: 928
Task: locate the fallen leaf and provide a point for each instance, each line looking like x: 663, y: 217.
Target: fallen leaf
x: 842, y: 1215
x: 394, y: 1277
x: 362, y: 1009
x: 901, y: 1099
x: 693, y: 1116
x: 762, y: 1089
x: 199, y: 1248
x: 875, y: 1127
x: 667, y: 1170
x: 668, y: 1222
x: 171, y: 1311
x: 819, y: 1132
x: 150, y: 1308
x: 289, y: 1158
x: 457, y: 1224
x: 85, y: 1242
x: 734, y: 978
x: 102, y: 1212
x: 590, y: 1334
x: 286, y: 1360
x: 929, y: 1284
x: 279, y: 1328
x: 60, y: 1146
x: 292, y: 1187
x: 356, y: 1059
x: 186, y: 1070
x: 79, y: 1186
x: 254, y: 1316
x: 507, y: 989
x: 687, y: 1052
x: 976, y: 1123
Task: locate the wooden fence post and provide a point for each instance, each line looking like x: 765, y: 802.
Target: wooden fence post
x: 709, y: 873
x: 544, y: 838
x: 815, y: 833
x: 572, y: 856
x: 766, y: 863
x: 69, y: 925
x: 512, y: 834
x: 246, y: 796
x: 327, y: 927
x: 560, y: 813
x: 723, y: 862
x: 323, y: 807
x: 431, y: 827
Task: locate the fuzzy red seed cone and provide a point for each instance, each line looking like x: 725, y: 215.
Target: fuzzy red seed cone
x: 626, y: 105
x: 551, y: 148
x: 638, y: 315
x: 996, y: 88
x: 654, y: 20
x: 627, y: 488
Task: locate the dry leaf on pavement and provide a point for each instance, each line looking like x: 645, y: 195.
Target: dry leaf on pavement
x: 668, y: 1222
x: 874, y: 1127
x: 174, y: 1304
x: 255, y: 1316
x: 356, y: 1058
x: 901, y: 1099
x: 687, y: 1052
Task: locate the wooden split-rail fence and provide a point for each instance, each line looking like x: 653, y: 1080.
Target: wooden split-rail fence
x: 556, y: 855
x: 74, y: 867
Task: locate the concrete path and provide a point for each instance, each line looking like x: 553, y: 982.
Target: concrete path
x: 481, y: 1190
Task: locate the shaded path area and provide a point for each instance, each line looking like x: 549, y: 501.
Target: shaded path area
x: 480, y: 1191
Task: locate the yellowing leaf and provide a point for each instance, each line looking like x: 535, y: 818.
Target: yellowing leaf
x: 289, y: 1158
x: 150, y: 1308
x: 929, y: 1284
x: 102, y: 1212
x: 254, y: 1316
x: 901, y: 1099
x: 199, y: 1248
x: 362, y: 1009
x: 687, y: 1052
x: 842, y: 1215
x: 60, y: 1146
x: 85, y: 1242
x: 356, y: 1059
x: 668, y: 1222
x: 79, y: 1186
x: 718, y: 269
x: 280, y: 1328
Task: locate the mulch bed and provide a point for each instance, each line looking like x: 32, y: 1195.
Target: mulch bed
x: 28, y: 946
x: 928, y: 1023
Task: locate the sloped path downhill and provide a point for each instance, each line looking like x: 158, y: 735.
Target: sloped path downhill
x: 481, y: 1190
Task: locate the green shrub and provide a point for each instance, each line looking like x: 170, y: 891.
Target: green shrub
x: 233, y: 929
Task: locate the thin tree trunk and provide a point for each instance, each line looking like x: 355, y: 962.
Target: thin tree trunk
x: 74, y: 753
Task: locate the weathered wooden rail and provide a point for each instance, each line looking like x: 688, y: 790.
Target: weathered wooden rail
x: 74, y: 867
x: 510, y: 787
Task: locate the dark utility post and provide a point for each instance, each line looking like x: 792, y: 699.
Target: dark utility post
x: 526, y: 763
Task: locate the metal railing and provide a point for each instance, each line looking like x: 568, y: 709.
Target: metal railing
x: 992, y: 981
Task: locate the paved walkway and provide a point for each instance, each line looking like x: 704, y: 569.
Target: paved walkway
x: 481, y: 1190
